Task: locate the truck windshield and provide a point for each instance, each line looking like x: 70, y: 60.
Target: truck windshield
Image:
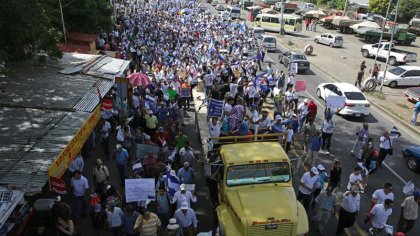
x: 397, y: 71
x: 276, y: 172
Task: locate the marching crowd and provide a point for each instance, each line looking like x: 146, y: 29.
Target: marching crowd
x: 176, y: 45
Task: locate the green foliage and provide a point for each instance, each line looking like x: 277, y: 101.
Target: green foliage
x: 26, y: 28
x: 337, y: 4
x: 408, y: 8
x: 88, y: 16
x: 379, y: 6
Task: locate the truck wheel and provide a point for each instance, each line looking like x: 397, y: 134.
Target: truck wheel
x: 393, y: 84
x: 365, y: 53
x: 393, y: 61
x: 373, y: 40
x: 349, y: 30
x: 341, y: 29
x: 308, y: 50
x: 407, y: 42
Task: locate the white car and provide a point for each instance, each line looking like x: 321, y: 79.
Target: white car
x: 269, y: 42
x: 220, y: 7
x: 401, y: 76
x: 225, y: 16
x: 331, y: 40
x: 355, y: 102
x: 258, y: 32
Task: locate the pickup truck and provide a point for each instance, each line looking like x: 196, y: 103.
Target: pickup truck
x: 396, y: 56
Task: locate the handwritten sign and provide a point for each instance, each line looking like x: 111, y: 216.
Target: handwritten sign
x: 293, y: 68
x: 139, y: 189
x: 63, y: 160
x: 335, y: 101
x: 215, y: 108
x: 185, y: 92
x: 189, y: 187
x: 300, y: 85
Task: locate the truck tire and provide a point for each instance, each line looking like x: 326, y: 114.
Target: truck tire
x: 308, y: 50
x: 406, y: 42
x: 348, y: 30
x: 365, y: 53
x: 341, y: 29
x: 373, y: 40
x: 393, y: 61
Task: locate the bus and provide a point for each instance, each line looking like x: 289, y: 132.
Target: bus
x: 271, y: 22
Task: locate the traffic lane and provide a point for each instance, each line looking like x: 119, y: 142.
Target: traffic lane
x: 344, y: 138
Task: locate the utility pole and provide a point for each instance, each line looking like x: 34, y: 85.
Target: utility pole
x: 345, y: 8
x: 391, y: 41
x: 282, y: 18
x: 62, y: 21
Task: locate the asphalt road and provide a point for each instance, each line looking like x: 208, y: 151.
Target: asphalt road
x: 394, y: 171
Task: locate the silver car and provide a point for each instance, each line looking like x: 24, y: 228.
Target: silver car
x: 331, y: 40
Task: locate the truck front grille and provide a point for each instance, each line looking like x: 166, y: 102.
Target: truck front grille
x: 281, y: 229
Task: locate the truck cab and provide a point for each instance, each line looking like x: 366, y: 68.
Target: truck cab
x: 255, y: 191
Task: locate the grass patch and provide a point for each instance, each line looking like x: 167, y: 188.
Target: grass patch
x: 403, y: 106
x: 379, y: 95
x: 393, y: 112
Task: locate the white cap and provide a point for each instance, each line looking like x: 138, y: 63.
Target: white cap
x: 305, y: 100
x: 182, y: 186
x: 184, y: 206
x: 314, y: 170
x: 320, y: 167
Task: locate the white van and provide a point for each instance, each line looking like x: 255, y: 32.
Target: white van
x: 215, y: 2
x: 269, y: 42
x: 235, y: 12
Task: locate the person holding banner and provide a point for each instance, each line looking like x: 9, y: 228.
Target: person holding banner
x: 327, y: 129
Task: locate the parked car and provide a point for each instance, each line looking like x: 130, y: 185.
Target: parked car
x: 355, y: 104
x: 401, y: 76
x: 413, y: 94
x: 259, y: 32
x: 215, y: 2
x: 270, y: 2
x: 269, y: 42
x: 396, y: 56
x: 412, y: 155
x: 224, y: 15
x: 331, y: 40
x: 220, y: 7
x: 295, y: 57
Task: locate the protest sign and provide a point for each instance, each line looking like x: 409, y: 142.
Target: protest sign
x: 300, y: 85
x: 139, y: 189
x: 215, y: 108
x: 233, y: 89
x: 276, y: 91
x: 293, y: 68
x: 189, y: 187
x: 185, y: 92
x: 143, y: 149
x: 335, y: 101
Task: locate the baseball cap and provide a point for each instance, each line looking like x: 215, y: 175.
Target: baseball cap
x: 186, y: 164
x: 416, y: 193
x: 118, y: 146
x: 320, y: 167
x: 314, y: 170
x: 182, y: 186
x: 184, y: 206
x: 99, y: 161
x: 57, y: 199
x: 172, y: 224
x: 305, y: 100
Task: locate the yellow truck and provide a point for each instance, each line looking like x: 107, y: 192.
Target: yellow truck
x: 256, y: 196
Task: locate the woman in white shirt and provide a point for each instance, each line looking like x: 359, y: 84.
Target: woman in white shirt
x: 356, y: 179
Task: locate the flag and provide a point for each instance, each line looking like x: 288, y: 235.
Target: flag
x: 258, y: 77
x: 221, y: 57
x: 173, y: 183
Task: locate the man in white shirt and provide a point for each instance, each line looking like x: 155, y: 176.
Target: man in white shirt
x: 183, y: 196
x: 80, y: 186
x: 355, y: 178
x: 409, y: 212
x: 379, y: 197
x: 77, y: 164
x: 306, y: 187
x: 252, y: 116
x: 303, y: 107
x: 215, y: 127
x: 385, y: 147
x: 380, y: 214
x: 350, y: 207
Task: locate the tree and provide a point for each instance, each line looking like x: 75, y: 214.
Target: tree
x: 88, y: 16
x: 337, y: 4
x: 379, y: 6
x: 408, y: 8
x: 26, y: 28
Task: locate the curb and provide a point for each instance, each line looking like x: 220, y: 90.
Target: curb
x: 395, y: 118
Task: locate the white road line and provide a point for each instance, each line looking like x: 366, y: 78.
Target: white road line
x: 395, y: 173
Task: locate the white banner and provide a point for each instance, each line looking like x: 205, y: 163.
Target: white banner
x: 139, y: 189
x: 293, y: 68
x: 336, y: 101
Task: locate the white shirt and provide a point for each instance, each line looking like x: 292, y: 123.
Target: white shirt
x: 253, y: 115
x: 179, y: 198
x: 303, y: 107
x: 289, y: 96
x: 105, y: 130
x: 291, y: 80
x: 79, y: 186
x: 351, y: 203
x: 214, y: 130
x: 385, y: 143
x: 289, y: 134
x: 380, y: 196
x: 380, y: 215
x: 115, y: 218
x: 308, y: 181
x: 265, y: 123
x: 353, y: 179
x: 77, y: 164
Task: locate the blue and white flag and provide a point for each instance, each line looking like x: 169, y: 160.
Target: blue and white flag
x: 173, y: 183
x: 221, y: 57
x: 258, y: 78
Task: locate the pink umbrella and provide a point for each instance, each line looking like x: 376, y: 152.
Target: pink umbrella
x: 138, y: 79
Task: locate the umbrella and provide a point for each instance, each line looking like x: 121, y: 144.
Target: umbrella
x: 365, y: 24
x: 315, y: 13
x: 138, y: 79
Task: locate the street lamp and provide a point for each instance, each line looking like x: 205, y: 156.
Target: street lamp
x: 62, y: 21
x: 391, y: 41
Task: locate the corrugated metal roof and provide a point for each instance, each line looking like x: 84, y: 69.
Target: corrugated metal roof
x: 106, y: 67
x: 91, y: 99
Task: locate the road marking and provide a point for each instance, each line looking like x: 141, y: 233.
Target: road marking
x: 395, y: 173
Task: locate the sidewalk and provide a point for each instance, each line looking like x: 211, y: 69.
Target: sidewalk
x: 343, y: 68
